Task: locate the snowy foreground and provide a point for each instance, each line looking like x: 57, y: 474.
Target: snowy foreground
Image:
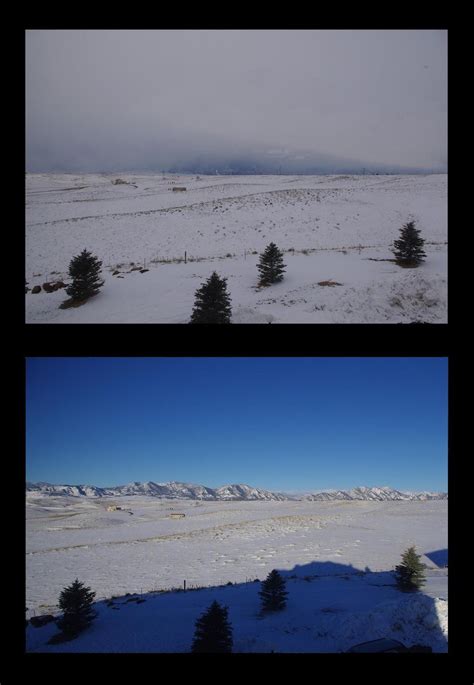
x: 336, y: 556
x: 331, y: 228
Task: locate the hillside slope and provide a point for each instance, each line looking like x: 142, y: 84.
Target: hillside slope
x: 335, y: 229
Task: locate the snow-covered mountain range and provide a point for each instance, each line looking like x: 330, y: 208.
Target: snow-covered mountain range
x: 176, y: 490
x: 381, y: 494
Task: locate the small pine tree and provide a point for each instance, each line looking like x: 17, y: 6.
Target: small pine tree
x: 212, y: 304
x: 84, y: 271
x: 213, y: 632
x: 271, y: 265
x: 410, y: 574
x: 409, y: 248
x: 76, y: 603
x: 273, y: 593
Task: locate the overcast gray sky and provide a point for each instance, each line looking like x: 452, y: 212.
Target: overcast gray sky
x: 105, y: 100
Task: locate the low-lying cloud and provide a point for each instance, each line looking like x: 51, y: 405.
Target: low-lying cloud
x: 105, y: 100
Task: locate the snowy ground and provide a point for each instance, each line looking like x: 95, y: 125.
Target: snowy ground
x: 336, y: 556
x: 329, y: 227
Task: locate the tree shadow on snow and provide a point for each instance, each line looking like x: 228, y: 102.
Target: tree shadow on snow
x: 424, y: 616
x: 352, y: 601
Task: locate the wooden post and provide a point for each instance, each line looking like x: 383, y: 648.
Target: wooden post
x: 185, y: 257
x: 185, y: 586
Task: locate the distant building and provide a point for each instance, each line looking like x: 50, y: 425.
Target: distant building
x: 178, y: 188
x: 177, y: 516
x: 113, y: 507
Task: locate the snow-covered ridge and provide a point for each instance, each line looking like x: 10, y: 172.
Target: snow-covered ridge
x: 380, y: 494
x: 172, y: 490
x: 177, y: 490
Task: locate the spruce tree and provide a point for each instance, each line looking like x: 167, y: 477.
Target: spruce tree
x: 271, y: 265
x: 409, y: 248
x: 273, y: 593
x: 213, y: 632
x: 84, y: 271
x: 76, y: 602
x: 212, y: 303
x: 410, y: 574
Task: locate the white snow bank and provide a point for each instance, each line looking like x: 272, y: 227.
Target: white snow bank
x: 416, y: 619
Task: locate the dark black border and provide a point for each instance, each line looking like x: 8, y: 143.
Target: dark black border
x: 237, y: 339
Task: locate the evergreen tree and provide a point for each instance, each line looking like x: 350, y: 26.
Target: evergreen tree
x: 76, y: 603
x: 213, y: 632
x: 271, y: 265
x: 273, y: 593
x: 409, y: 248
x: 84, y: 271
x: 212, y: 304
x: 410, y: 574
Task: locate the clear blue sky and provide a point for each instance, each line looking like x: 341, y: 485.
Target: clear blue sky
x: 276, y: 423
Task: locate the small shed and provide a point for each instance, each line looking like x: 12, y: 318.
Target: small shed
x: 177, y: 516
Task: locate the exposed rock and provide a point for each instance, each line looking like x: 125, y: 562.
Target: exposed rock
x: 142, y: 271
x: 36, y: 289
x: 51, y: 287
x: 420, y: 648
x: 39, y: 621
x: 330, y: 282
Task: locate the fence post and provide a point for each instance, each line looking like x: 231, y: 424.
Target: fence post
x: 185, y: 586
x: 185, y: 257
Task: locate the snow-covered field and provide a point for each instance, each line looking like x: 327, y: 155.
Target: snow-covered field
x: 336, y: 556
x: 338, y: 228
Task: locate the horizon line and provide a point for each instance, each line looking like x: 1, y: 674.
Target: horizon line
x: 352, y: 172
x: 277, y: 490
